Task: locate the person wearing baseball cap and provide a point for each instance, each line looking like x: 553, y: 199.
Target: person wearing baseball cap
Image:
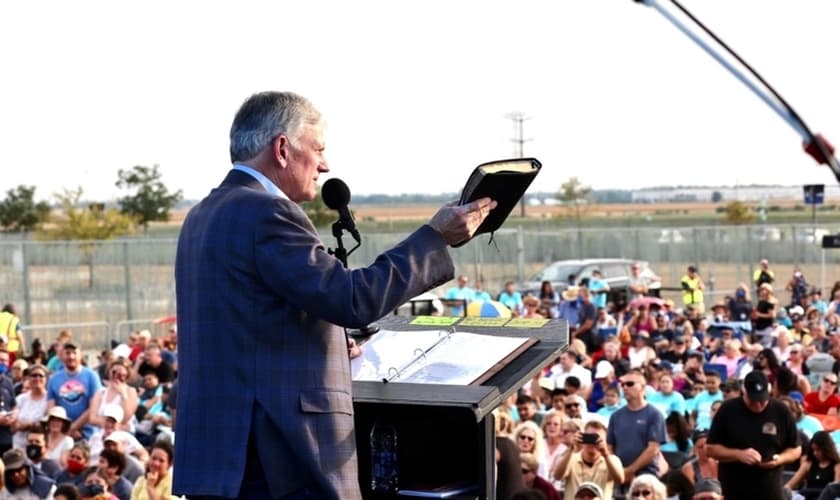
x: 588, y: 491
x: 752, y: 437
x: 22, y: 480
x: 708, y: 488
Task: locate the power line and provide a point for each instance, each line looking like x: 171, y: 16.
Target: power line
x: 518, y: 118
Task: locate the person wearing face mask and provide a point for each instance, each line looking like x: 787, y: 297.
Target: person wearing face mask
x: 77, y: 461
x: 22, y: 480
x: 95, y: 486
x: 36, y: 450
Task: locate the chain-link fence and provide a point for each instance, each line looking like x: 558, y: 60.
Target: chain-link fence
x: 123, y: 280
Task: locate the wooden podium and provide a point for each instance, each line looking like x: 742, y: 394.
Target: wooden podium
x: 446, y: 432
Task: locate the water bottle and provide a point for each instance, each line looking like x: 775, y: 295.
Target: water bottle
x: 383, y: 459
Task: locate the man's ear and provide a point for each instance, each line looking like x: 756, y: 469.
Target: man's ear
x: 280, y: 149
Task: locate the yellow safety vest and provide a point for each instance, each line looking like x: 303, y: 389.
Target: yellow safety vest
x: 9, y: 328
x: 695, y: 297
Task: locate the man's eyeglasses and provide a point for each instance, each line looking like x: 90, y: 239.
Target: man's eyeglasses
x: 641, y: 493
x: 628, y: 383
x: 829, y: 381
x: 525, y: 471
x: 36, y: 375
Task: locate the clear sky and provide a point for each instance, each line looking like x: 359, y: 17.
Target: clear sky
x: 415, y: 93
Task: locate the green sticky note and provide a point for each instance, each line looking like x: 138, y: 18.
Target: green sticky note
x: 435, y: 320
x: 483, y: 322
x: 526, y: 323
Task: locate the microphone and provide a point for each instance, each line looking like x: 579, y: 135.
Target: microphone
x: 336, y: 196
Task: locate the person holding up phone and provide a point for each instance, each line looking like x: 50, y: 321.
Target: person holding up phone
x: 589, y: 460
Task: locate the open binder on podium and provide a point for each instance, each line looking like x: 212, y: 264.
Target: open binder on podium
x: 436, y: 356
x: 441, y: 391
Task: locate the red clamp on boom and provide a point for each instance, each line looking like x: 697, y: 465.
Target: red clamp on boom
x: 814, y: 150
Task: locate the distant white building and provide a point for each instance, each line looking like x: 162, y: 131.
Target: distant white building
x: 729, y: 193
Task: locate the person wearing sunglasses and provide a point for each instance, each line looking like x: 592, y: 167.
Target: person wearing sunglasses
x: 636, y: 430
x: 31, y: 405
x: 752, y: 438
x: 647, y: 487
x: 825, y: 399
x: 532, y: 479
x: 529, y: 438
x: 117, y: 392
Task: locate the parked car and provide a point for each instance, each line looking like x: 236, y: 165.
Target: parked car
x: 616, y: 272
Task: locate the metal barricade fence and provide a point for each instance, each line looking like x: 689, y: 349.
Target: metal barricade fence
x: 122, y: 330
x: 92, y: 337
x: 73, y: 282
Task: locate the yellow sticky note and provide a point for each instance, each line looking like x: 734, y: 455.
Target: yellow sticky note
x: 526, y: 323
x: 483, y: 322
x: 435, y: 320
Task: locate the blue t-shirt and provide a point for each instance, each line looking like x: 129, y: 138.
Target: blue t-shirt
x: 666, y: 404
x: 598, y: 299
x: 457, y: 293
x: 702, y: 404
x: 73, y: 392
x: 630, y: 432
x: 513, y: 301
x: 607, y: 411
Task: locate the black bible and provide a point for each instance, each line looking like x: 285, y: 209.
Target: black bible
x: 504, y: 181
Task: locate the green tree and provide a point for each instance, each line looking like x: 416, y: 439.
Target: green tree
x: 90, y: 225
x: 148, y: 199
x: 318, y: 212
x: 736, y: 212
x: 575, y: 196
x: 20, y: 213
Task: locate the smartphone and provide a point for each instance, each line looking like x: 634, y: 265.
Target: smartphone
x: 589, y: 438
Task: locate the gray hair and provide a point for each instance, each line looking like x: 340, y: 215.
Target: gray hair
x: 264, y: 116
x: 659, y: 490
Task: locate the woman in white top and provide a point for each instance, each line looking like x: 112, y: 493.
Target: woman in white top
x: 59, y: 442
x: 116, y: 392
x: 552, y: 427
x: 783, y: 343
x: 31, y: 405
x: 640, y: 352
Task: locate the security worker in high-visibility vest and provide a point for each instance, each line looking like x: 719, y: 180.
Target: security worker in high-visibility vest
x: 692, y: 286
x: 10, y: 328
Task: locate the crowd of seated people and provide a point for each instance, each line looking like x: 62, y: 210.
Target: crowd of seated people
x: 68, y: 431
x: 690, y: 359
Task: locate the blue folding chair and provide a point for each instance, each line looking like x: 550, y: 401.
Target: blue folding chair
x: 720, y: 368
x: 605, y: 333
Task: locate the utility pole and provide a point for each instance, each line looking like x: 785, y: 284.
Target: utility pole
x: 518, y: 118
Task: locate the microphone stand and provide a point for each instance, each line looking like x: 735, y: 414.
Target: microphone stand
x: 341, y: 254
